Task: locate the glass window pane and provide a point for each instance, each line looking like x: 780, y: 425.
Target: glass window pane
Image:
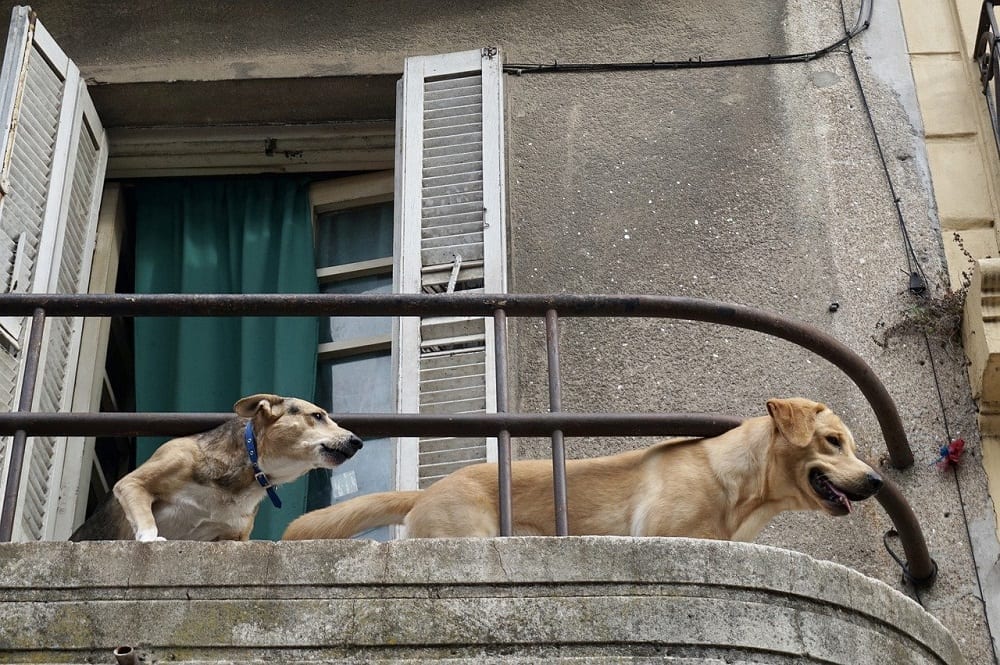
x: 356, y: 234
x: 343, y: 328
x: 357, y: 384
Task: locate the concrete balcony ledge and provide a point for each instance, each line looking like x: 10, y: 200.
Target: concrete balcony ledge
x: 516, y: 600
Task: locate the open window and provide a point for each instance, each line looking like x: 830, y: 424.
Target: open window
x: 433, y: 224
x: 353, y: 230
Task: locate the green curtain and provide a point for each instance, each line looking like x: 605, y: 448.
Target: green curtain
x: 225, y: 235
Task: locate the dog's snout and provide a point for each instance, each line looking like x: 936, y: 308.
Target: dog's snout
x: 874, y: 481
x: 357, y: 444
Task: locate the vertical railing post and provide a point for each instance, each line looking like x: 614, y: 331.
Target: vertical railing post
x: 503, y: 437
x: 555, y: 405
x: 19, y: 442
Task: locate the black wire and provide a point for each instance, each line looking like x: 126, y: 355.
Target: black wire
x: 937, y: 387
x: 699, y: 62
x: 907, y: 577
x: 961, y: 499
x: 918, y: 279
x: 911, y: 258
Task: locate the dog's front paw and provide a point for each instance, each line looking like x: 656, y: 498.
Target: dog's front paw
x: 148, y: 536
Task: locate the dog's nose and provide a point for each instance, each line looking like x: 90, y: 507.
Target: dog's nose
x: 357, y: 444
x: 874, y: 481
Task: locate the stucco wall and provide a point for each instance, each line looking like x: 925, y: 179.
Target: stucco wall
x: 233, y: 39
x: 529, y: 599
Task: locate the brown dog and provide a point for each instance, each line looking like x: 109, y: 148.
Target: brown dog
x: 800, y: 457
x: 208, y: 486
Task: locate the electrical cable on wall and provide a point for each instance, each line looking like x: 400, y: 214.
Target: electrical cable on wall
x: 862, y: 23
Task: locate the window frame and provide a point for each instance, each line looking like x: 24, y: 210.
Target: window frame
x: 345, y: 194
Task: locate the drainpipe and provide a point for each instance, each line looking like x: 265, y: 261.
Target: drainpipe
x: 125, y: 655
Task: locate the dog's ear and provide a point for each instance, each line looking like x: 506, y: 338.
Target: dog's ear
x: 795, y: 418
x: 265, y: 404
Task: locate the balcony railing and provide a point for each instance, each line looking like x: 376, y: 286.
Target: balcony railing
x: 919, y: 568
x: 985, y: 54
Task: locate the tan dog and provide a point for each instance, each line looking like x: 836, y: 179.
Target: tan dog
x: 800, y: 457
x: 207, y: 487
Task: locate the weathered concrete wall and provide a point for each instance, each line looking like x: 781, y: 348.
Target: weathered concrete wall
x: 148, y: 40
x: 534, y: 599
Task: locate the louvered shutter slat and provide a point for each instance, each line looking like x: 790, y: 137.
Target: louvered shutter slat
x: 436, y: 235
x: 465, y: 116
x: 453, y: 382
x: 469, y: 215
x: 453, y: 455
x: 459, y: 240
x: 470, y: 189
x: 439, y: 256
x: 454, y: 374
x: 461, y: 162
x: 434, y: 445
x: 459, y: 177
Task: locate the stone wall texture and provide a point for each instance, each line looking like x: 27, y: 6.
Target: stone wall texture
x: 521, y: 600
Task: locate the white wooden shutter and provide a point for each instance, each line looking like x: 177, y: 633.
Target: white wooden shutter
x: 450, y: 221
x: 54, y: 155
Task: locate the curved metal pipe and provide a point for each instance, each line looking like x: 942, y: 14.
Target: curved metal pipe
x: 694, y: 309
x: 919, y: 568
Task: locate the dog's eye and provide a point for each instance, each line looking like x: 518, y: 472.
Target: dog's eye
x: 834, y: 440
x: 319, y: 416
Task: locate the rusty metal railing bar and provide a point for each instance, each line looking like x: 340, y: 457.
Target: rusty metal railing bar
x: 20, y: 441
x: 555, y: 406
x: 379, y: 425
x: 919, y: 569
x: 503, y: 436
x: 708, y: 311
x: 368, y: 425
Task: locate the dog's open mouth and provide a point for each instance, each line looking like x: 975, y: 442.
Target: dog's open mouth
x: 835, y: 498
x: 336, y: 455
x: 340, y: 453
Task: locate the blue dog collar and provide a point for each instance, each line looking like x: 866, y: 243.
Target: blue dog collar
x: 251, y: 443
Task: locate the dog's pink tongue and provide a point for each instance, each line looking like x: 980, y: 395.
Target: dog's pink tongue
x: 844, y: 501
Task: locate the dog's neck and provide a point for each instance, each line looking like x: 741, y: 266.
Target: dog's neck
x: 250, y: 441
x: 741, y: 463
x: 279, y: 469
